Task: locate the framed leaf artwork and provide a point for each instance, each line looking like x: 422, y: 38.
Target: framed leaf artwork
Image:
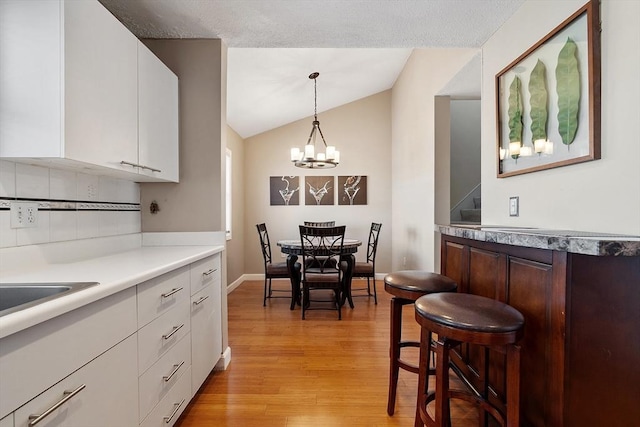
x: 548, y: 99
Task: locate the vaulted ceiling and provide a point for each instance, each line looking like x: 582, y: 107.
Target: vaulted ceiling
x: 358, y: 46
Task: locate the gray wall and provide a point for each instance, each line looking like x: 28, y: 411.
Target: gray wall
x: 235, y: 246
x: 197, y: 202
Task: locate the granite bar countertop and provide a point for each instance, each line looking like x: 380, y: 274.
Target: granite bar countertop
x: 579, y: 242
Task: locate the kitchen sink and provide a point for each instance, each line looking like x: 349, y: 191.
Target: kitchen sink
x: 18, y: 296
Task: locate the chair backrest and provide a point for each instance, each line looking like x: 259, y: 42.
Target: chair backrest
x: 265, y: 244
x: 320, y: 223
x: 372, y: 246
x: 321, y: 248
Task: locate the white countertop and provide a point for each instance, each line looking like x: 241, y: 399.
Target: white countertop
x: 114, y: 272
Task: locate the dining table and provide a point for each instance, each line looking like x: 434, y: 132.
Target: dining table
x: 293, y: 249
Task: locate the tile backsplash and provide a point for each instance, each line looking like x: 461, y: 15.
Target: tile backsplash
x: 72, y: 205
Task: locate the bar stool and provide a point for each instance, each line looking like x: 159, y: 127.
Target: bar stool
x: 465, y: 318
x: 406, y: 287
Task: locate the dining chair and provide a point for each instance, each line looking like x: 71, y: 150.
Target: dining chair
x: 320, y: 223
x: 272, y: 270
x: 322, y: 249
x: 367, y: 270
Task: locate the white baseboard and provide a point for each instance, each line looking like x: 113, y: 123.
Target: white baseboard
x: 224, y: 361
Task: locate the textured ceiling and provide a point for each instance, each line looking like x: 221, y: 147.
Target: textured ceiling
x: 275, y: 44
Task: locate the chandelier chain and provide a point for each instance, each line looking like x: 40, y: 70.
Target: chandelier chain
x: 315, y: 99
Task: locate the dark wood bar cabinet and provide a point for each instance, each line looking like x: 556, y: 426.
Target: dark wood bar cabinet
x: 581, y: 347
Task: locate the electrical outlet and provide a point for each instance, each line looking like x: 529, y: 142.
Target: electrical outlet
x: 514, y: 206
x: 24, y: 214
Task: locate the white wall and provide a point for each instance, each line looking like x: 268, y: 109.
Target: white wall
x: 465, y: 147
x: 598, y: 196
x: 235, y: 246
x: 361, y: 131
x: 413, y: 154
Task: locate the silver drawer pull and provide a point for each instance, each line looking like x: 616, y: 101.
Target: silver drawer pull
x: 210, y: 272
x: 171, y: 292
x: 173, y: 331
x: 175, y: 370
x: 175, y: 411
x: 201, y: 300
x: 35, y: 419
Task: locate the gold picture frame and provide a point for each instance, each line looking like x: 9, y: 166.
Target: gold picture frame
x: 548, y: 99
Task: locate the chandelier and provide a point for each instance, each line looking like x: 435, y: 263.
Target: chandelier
x: 308, y: 158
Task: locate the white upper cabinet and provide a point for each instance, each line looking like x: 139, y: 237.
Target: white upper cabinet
x: 101, y: 102
x: 157, y: 117
x: 69, y: 78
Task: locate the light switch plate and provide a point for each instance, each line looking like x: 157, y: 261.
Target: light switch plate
x: 514, y: 206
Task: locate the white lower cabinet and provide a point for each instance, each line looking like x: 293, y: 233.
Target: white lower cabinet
x: 172, y: 404
x: 206, y: 343
x: 133, y: 358
x: 102, y: 393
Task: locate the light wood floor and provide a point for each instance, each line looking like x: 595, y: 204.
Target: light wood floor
x: 318, y: 372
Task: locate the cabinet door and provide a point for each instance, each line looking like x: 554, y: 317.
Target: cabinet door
x: 109, y: 396
x: 530, y: 292
x: 7, y: 421
x: 206, y: 333
x: 101, y: 88
x: 30, y: 79
x: 158, y: 117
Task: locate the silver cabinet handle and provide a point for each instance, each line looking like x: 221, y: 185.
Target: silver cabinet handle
x: 137, y: 165
x: 35, y: 419
x: 150, y: 168
x: 173, y: 331
x: 175, y: 370
x: 201, y: 300
x: 175, y: 411
x: 171, y: 292
x: 210, y: 272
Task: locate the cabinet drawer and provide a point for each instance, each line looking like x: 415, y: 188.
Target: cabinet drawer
x: 108, y: 397
x: 38, y: 357
x: 160, y: 294
x: 204, y: 273
x: 159, y: 378
x: 159, y: 336
x: 172, y: 405
x: 206, y: 343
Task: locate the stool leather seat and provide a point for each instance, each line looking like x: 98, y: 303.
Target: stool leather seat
x: 465, y: 318
x: 407, y: 286
x: 468, y: 312
x: 412, y: 284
